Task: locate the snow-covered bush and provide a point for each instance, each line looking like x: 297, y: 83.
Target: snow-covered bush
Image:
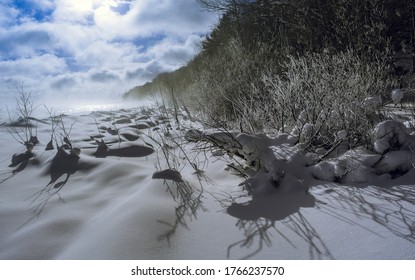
x: 23, y: 130
x: 222, y: 78
x: 329, y: 92
x: 227, y: 88
x: 354, y: 166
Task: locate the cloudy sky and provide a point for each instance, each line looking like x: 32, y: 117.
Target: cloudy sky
x: 78, y: 49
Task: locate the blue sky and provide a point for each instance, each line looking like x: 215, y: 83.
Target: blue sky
x: 84, y: 49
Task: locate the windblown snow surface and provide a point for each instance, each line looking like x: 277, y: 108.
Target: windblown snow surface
x: 140, y: 189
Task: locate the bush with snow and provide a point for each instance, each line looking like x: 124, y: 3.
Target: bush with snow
x: 391, y: 135
x: 354, y: 166
x: 325, y: 171
x: 396, y: 163
x: 331, y: 92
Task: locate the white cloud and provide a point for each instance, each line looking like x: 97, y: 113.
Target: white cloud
x: 45, y: 4
x: 145, y: 71
x: 176, y: 53
x: 149, y: 17
x: 24, y: 42
x: 74, y: 11
x: 173, y: 17
x: 7, y: 14
x: 36, y: 67
x: 63, y: 82
x: 104, y: 47
x: 103, y: 76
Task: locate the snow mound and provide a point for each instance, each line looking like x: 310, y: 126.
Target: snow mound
x: 395, y: 163
x: 276, y: 162
x: 324, y: 171
x: 392, y: 135
x: 354, y: 166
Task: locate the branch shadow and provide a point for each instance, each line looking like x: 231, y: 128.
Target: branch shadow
x: 389, y: 205
x: 20, y: 161
x: 63, y: 163
x: 264, y: 215
x: 189, y: 202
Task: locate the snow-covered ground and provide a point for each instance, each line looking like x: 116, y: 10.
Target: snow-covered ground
x: 107, y: 205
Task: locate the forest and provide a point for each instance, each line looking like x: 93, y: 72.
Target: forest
x: 282, y: 65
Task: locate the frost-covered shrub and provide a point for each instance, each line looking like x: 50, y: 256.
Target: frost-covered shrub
x: 227, y: 88
x: 329, y: 92
x: 221, y: 80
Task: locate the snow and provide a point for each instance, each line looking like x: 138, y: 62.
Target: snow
x: 392, y: 135
x: 342, y: 135
x: 133, y: 200
x: 308, y: 131
x: 397, y: 95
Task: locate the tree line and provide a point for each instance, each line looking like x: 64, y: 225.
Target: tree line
x: 243, y: 75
